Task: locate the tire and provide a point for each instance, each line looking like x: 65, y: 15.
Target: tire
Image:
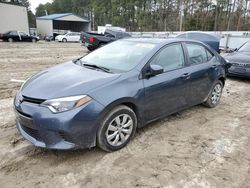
x: 119, y: 125
x: 10, y: 40
x: 33, y: 40
x: 214, y: 95
x: 64, y: 40
x: 91, y: 48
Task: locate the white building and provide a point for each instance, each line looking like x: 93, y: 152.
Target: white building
x: 13, y: 17
x: 61, y: 23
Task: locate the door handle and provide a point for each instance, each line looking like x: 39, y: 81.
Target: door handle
x: 186, y: 75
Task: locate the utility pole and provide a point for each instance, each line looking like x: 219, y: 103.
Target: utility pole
x: 181, y: 15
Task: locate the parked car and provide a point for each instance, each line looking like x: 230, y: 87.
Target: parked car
x: 18, y: 36
x: 209, y: 39
x: 94, y: 40
x: 102, y: 98
x: 239, y: 61
x: 68, y: 37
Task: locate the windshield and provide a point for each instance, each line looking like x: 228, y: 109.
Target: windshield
x: 120, y: 56
x: 245, y: 47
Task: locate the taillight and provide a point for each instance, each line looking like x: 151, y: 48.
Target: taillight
x: 91, y: 39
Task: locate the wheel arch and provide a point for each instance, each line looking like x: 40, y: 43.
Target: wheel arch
x: 222, y: 79
x: 127, y: 101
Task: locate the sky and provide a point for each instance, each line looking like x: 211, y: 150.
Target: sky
x: 35, y: 3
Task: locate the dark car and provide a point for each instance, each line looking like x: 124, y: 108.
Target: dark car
x: 102, y: 98
x: 239, y: 61
x: 209, y: 39
x: 18, y: 36
x: 94, y: 40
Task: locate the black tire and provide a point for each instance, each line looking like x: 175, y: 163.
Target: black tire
x: 64, y: 40
x: 118, y: 112
x: 34, y: 40
x: 211, y: 103
x: 91, y: 48
x: 10, y: 40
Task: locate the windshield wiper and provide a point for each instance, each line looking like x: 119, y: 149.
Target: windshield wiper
x: 78, y: 59
x: 97, y: 67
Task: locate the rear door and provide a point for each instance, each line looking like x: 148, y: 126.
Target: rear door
x: 202, y: 66
x: 14, y: 35
x: 166, y: 93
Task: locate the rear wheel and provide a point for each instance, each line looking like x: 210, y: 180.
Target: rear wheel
x: 10, y: 40
x: 215, y: 95
x: 64, y: 40
x: 33, y: 40
x: 117, y: 129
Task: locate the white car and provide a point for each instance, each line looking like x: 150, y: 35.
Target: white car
x: 69, y: 37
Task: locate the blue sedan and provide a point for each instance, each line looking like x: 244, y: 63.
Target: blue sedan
x: 101, y: 99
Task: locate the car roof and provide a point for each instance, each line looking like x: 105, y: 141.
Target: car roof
x: 159, y: 40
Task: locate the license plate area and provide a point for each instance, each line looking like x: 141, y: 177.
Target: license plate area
x: 239, y: 69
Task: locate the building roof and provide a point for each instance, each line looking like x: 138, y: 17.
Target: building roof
x: 59, y: 15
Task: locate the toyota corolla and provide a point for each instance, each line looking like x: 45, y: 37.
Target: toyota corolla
x: 101, y: 99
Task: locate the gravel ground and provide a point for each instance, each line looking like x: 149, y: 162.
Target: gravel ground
x: 198, y: 147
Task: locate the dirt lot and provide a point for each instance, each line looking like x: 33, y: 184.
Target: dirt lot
x: 199, y: 147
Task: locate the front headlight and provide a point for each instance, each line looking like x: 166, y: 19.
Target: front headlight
x: 66, y: 103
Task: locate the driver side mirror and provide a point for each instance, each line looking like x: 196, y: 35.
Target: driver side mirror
x: 154, y: 70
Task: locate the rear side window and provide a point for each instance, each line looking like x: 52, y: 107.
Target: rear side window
x: 170, y: 57
x: 198, y: 54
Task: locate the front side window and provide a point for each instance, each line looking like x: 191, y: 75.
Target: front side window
x: 22, y: 34
x: 170, y: 57
x: 198, y: 54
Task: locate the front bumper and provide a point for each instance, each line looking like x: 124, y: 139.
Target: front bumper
x: 239, y: 71
x: 67, y: 130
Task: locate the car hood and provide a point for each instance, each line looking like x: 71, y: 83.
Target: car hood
x: 66, y: 79
x: 238, y: 57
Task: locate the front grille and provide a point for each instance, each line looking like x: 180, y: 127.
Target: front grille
x: 23, y: 114
x: 32, y: 132
x: 32, y: 100
x: 246, y: 65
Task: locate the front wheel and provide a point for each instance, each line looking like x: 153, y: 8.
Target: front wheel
x: 64, y: 40
x: 117, y: 129
x: 215, y: 95
x: 10, y: 40
x: 90, y: 48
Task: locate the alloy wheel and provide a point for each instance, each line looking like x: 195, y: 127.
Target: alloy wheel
x: 216, y: 93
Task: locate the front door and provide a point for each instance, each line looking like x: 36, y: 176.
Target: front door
x: 24, y: 37
x: 167, y: 92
